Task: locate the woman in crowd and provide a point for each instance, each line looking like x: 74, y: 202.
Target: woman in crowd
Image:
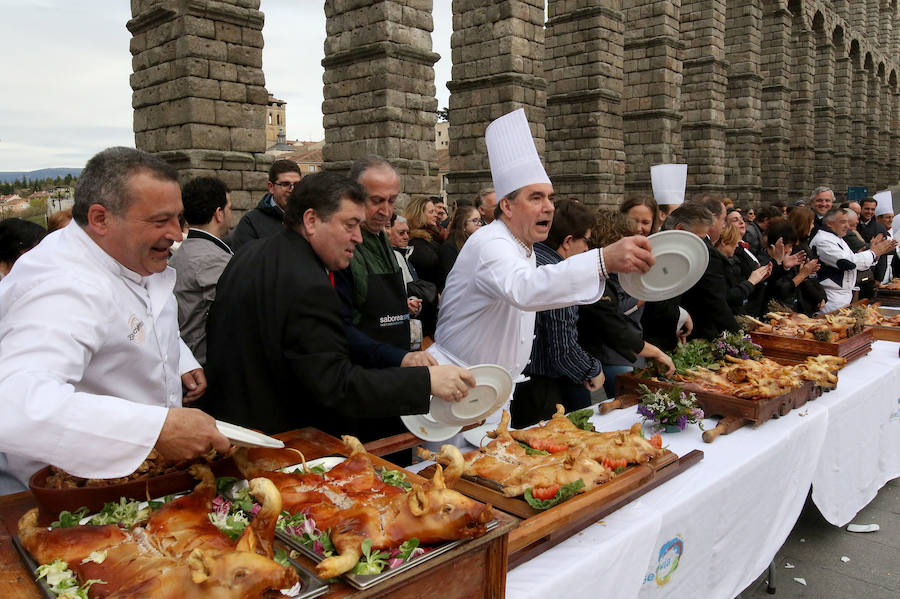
x: 17, y: 236
x: 644, y: 211
x: 465, y: 220
x: 748, y: 262
x: 789, y: 284
x: 424, y: 237
x: 610, y: 329
x: 744, y: 274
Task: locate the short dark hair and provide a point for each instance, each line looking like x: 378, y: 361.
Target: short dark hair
x: 321, y: 192
x: 511, y: 196
x: 283, y: 166
x: 782, y: 228
x: 105, y: 179
x: 571, y: 217
x: 867, y: 200
x: 17, y: 236
x: 770, y: 211
x: 361, y: 165
x: 202, y: 197
x: 712, y: 202
x: 689, y: 214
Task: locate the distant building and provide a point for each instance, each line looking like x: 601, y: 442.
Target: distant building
x: 307, y: 155
x: 442, y: 135
x: 275, y: 121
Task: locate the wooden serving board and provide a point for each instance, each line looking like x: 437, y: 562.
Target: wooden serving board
x: 736, y: 411
x: 793, y: 350
x: 888, y: 297
x: 541, y: 530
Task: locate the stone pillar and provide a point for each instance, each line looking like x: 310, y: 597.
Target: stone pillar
x: 651, y: 118
x: 776, y: 101
x: 843, y: 86
x: 841, y: 9
x: 885, y: 176
x: 379, y: 89
x: 895, y: 37
x: 887, y: 28
x: 583, y: 68
x: 860, y: 150
x: 823, y: 107
x: 802, y: 69
x: 894, y: 154
x: 871, y: 21
x: 705, y: 79
x: 873, y: 115
x: 743, y: 109
x: 857, y: 16
x: 199, y: 91
x: 497, y: 67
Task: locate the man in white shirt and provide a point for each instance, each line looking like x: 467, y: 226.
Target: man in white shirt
x: 839, y: 264
x: 91, y: 363
x: 488, y: 307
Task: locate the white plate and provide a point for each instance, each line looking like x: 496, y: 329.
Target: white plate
x: 478, y: 436
x: 328, y: 462
x: 428, y: 429
x: 681, y: 259
x: 493, y: 384
x: 244, y: 436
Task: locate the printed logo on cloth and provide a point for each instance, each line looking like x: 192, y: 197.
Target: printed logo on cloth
x: 136, y: 326
x: 393, y: 320
x: 669, y: 556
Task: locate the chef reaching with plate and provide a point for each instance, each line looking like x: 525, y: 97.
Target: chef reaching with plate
x: 91, y: 362
x: 488, y: 307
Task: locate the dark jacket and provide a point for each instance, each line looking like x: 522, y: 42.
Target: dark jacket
x: 425, y: 255
x: 659, y: 322
x: 707, y: 301
x: 263, y: 221
x: 605, y: 331
x: 447, y: 254
x: 277, y: 350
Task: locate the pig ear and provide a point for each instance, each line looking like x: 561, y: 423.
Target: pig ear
x: 199, y: 565
x: 418, y: 502
x: 437, y: 481
x: 248, y: 541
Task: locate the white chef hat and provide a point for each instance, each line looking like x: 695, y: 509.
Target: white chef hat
x: 513, y: 157
x: 669, y: 182
x: 885, y: 203
x: 895, y: 226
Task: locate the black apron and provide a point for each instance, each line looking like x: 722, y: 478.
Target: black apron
x: 384, y: 316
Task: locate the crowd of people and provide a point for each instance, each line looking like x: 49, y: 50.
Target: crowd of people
x: 328, y: 305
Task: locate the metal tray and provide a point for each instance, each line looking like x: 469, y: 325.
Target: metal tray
x: 310, y: 585
x: 365, y: 581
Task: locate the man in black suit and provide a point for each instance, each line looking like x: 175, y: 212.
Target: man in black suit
x: 277, y: 350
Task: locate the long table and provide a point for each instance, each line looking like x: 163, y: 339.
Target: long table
x: 712, y: 530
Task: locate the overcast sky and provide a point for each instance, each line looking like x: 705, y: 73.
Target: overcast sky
x: 66, y: 66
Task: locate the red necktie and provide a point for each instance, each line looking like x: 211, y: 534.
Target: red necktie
x: 331, y: 277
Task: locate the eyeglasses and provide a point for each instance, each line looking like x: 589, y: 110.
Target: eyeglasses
x: 475, y: 221
x: 286, y: 185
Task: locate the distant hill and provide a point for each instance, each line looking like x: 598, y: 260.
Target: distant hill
x: 44, y: 173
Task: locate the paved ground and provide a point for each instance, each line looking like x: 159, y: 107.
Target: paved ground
x: 815, y: 548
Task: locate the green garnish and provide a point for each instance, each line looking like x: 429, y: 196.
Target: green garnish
x: 395, y: 478
x: 582, y: 419
x: 529, y: 450
x: 62, y: 581
x: 69, y: 519
x: 565, y: 492
x: 240, y: 498
x: 371, y: 562
x: 125, y: 512
x: 317, y: 469
x: 407, y: 547
x: 232, y: 525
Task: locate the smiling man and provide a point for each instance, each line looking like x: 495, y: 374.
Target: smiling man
x: 91, y: 365
x: 488, y: 308
x: 277, y: 347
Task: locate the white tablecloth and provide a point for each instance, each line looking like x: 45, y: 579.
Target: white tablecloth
x: 710, y: 531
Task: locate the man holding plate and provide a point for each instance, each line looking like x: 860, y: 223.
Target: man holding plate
x: 488, y: 307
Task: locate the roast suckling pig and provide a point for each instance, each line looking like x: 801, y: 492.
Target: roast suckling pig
x: 178, y: 554
x: 353, y: 502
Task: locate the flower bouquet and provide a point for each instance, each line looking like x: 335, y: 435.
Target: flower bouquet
x: 670, y: 409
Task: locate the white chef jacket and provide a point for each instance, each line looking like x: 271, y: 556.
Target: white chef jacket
x: 488, y: 305
x: 90, y: 360
x: 830, y: 248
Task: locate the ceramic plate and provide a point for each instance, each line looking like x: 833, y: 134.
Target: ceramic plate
x: 244, y: 436
x: 681, y: 259
x: 493, y: 384
x: 428, y: 429
x: 478, y: 436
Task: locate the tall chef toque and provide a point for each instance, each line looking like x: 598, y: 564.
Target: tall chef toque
x: 669, y: 182
x: 513, y: 157
x: 885, y: 203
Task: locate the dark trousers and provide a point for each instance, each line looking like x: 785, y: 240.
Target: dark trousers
x: 536, y: 399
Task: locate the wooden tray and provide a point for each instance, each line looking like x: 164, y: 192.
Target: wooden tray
x: 793, y: 350
x: 887, y: 297
x: 736, y: 411
x: 541, y: 530
x: 886, y: 333
x: 477, y: 567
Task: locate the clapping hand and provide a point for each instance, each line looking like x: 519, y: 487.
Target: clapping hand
x: 792, y: 260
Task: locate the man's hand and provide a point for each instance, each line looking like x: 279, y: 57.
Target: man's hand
x: 414, y: 304
x: 629, y: 254
x: 882, y: 245
x: 682, y: 335
x: 596, y: 382
x: 450, y: 383
x: 809, y: 268
x: 188, y: 433
x: 195, y: 381
x: 776, y: 250
x: 792, y: 260
x: 418, y: 358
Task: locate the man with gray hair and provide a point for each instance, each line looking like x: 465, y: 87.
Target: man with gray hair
x: 486, y: 202
x: 820, y: 200
x: 91, y: 365
x: 839, y: 264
